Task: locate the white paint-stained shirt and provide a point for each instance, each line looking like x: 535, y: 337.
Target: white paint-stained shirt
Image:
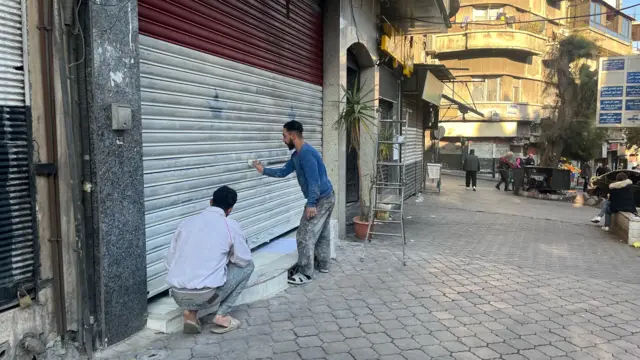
x: 201, y: 248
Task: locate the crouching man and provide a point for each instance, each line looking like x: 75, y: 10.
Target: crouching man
x: 209, y: 264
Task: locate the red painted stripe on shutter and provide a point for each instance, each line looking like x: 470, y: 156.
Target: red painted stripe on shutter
x: 257, y: 33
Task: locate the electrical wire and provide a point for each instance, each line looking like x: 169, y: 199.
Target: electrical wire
x: 79, y: 31
x: 616, y: 12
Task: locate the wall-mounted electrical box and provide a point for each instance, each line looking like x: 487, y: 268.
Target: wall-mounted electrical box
x: 120, y: 116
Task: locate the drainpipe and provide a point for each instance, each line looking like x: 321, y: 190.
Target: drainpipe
x: 46, y: 21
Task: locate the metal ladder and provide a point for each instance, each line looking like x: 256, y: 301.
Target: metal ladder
x: 381, y: 204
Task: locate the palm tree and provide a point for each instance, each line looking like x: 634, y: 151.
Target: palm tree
x: 357, y: 113
x: 572, y: 101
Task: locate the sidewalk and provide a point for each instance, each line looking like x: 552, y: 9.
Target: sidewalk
x: 489, y: 276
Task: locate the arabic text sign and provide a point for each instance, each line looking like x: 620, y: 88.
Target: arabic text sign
x: 610, y: 118
x: 611, y: 91
x: 610, y: 105
x: 618, y: 103
x: 613, y: 65
x: 633, y: 77
x: 631, y: 104
x: 633, y: 91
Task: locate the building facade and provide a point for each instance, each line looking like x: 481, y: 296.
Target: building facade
x: 120, y: 121
x: 496, y: 52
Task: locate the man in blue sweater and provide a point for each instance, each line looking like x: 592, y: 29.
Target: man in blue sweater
x: 313, y: 233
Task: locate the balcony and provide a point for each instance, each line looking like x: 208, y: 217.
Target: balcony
x: 497, y: 111
x: 491, y: 39
x: 610, y: 42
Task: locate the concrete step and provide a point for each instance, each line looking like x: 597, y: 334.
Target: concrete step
x: 269, y: 278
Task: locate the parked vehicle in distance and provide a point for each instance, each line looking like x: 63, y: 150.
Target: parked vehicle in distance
x: 599, y: 185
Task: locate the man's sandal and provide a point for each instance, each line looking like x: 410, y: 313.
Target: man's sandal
x: 192, y: 327
x: 233, y: 325
x: 299, y: 279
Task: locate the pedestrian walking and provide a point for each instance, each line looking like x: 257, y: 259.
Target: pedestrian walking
x: 529, y: 161
x: 504, y: 165
x: 471, y: 166
x: 313, y: 236
x: 586, y: 173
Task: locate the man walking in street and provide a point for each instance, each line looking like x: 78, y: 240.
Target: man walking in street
x: 313, y: 237
x: 586, y: 173
x: 504, y: 165
x: 471, y: 166
x: 209, y: 264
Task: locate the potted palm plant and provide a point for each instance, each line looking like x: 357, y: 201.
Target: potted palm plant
x: 357, y: 114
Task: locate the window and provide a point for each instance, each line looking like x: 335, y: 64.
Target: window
x: 596, y: 15
x: 485, y: 89
x: 626, y: 29
x: 489, y: 13
x: 478, y: 90
x: 516, y: 90
x: 493, y: 89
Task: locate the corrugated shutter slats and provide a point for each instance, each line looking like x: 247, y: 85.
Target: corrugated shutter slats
x: 203, y: 118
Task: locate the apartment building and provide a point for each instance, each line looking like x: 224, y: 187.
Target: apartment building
x: 496, y: 52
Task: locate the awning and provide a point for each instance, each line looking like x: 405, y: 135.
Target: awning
x: 463, y: 108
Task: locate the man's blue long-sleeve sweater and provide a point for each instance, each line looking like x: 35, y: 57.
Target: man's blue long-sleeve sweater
x: 311, y: 173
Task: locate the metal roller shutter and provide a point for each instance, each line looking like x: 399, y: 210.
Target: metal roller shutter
x: 17, y: 237
x: 218, y: 82
x: 411, y: 149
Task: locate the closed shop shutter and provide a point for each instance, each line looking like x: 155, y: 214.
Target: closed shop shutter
x: 17, y: 238
x: 412, y: 156
x: 218, y: 82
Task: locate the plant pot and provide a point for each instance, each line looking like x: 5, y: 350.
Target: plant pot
x: 361, y: 228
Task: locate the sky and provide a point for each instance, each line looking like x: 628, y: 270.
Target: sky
x: 635, y: 12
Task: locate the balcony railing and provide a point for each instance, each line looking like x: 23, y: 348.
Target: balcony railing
x: 538, y: 27
x: 604, y: 29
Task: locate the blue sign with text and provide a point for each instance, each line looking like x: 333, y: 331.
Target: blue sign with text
x: 611, y: 91
x: 633, y: 77
x: 632, y: 104
x: 610, y: 118
x: 633, y: 91
x: 610, y: 105
x: 613, y: 65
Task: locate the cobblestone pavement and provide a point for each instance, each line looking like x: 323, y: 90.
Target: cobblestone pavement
x: 488, y: 276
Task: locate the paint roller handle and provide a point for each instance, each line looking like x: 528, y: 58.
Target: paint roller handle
x: 258, y: 165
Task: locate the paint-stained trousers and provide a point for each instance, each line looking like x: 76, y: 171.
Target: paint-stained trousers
x: 314, y: 238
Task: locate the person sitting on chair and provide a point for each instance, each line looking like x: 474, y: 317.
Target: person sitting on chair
x: 209, y: 264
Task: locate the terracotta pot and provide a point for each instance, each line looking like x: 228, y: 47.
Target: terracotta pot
x: 361, y: 228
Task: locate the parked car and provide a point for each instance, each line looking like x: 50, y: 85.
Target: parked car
x: 599, y: 185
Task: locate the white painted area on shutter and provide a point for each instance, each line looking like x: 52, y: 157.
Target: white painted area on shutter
x: 12, y: 75
x: 203, y: 119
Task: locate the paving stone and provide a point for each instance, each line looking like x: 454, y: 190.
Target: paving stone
x: 435, y: 351
x: 454, y: 346
x: 550, y: 350
x: 284, y: 347
x: 364, y: 354
x: 312, y: 353
x: 503, y: 348
x: 443, y: 336
x: 485, y: 353
x: 413, y: 355
x: 534, y: 355
x: 336, y: 347
x: 357, y: 343
x: 308, y: 341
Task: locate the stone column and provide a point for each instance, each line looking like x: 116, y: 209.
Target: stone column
x: 334, y: 144
x: 117, y: 186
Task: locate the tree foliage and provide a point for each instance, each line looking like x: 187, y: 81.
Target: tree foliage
x: 570, y: 129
